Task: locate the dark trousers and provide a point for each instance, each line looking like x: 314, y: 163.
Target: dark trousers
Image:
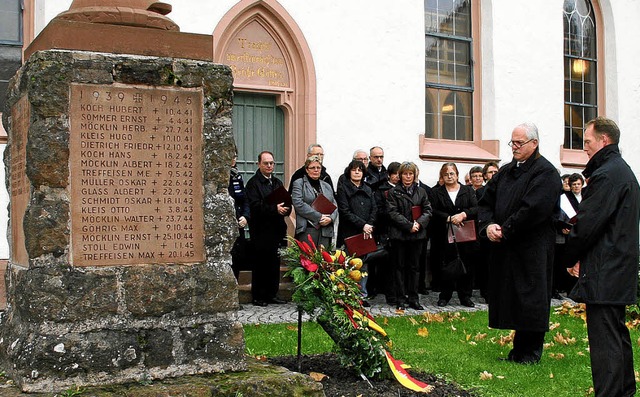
x: 265, y: 278
x: 527, y: 347
x: 611, y: 352
x: 405, y: 256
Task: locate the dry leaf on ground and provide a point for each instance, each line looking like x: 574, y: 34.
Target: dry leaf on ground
x: 317, y: 376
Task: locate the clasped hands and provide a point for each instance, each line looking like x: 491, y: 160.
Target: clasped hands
x: 282, y: 210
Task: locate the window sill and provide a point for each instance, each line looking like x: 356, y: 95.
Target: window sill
x: 573, y: 158
x: 461, y: 151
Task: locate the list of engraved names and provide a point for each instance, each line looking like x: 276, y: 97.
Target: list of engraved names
x: 136, y: 175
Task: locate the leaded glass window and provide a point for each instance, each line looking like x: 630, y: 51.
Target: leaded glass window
x: 448, y: 69
x: 580, y: 70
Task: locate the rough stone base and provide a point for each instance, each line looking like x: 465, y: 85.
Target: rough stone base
x: 259, y: 380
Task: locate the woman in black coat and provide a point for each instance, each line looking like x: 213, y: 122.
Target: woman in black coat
x: 409, y: 214
x: 356, y: 203
x: 453, y: 203
x: 356, y: 208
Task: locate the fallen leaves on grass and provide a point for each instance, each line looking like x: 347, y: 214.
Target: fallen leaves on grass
x: 424, y: 332
x: 506, y: 339
x: 433, y: 318
x: 577, y: 310
x: 557, y: 356
x: 484, y: 375
x: 564, y: 339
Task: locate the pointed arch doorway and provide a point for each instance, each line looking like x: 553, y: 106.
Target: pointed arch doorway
x: 269, y: 56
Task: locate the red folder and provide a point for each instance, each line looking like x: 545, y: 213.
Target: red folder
x: 416, y: 211
x: 280, y: 195
x: 462, y: 233
x: 323, y: 205
x: 358, y: 245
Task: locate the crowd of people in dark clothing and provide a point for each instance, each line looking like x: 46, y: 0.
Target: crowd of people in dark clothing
x: 380, y: 203
x: 533, y: 239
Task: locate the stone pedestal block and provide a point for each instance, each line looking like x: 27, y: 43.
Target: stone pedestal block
x: 121, y: 224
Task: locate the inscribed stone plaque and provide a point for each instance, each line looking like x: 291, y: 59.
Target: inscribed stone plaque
x: 136, y: 175
x: 256, y: 59
x: 19, y: 185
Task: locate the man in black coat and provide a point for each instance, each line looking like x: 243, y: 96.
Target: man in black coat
x: 268, y: 229
x: 604, y: 244
x: 376, y: 172
x: 515, y: 213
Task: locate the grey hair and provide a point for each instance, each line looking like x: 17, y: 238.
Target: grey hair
x: 358, y: 151
x: 531, y: 130
x: 310, y: 148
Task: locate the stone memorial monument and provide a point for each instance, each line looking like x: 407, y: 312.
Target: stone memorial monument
x: 120, y: 224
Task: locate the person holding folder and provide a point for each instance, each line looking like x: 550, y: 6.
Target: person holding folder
x: 315, y: 206
x: 268, y: 229
x: 409, y: 214
x: 357, y: 209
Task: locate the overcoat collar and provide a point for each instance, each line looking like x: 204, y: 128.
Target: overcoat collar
x: 602, y: 156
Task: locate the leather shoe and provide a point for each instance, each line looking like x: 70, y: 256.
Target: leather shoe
x: 467, y: 302
x: 442, y: 303
x: 556, y: 295
x: 277, y: 301
x: 365, y: 304
x: 400, y: 306
x: 259, y: 303
x: 416, y: 306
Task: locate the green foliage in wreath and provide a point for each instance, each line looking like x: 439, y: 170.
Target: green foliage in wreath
x: 327, y: 290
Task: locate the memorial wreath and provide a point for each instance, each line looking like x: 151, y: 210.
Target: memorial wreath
x: 327, y: 290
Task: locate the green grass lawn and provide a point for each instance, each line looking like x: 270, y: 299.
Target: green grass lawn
x: 462, y: 348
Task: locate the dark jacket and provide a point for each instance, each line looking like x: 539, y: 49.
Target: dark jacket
x: 522, y: 201
x: 375, y: 178
x: 356, y: 207
x: 443, y: 207
x: 266, y: 225
x: 238, y: 194
x: 399, y: 207
x: 381, y: 227
x: 605, y: 236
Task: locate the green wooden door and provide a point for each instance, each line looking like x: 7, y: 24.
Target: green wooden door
x: 258, y: 124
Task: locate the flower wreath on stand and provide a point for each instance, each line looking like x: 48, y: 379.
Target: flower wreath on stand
x: 327, y: 290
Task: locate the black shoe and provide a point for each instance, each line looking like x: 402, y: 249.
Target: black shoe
x: 400, y: 306
x: 467, y: 302
x: 442, y: 302
x: 423, y: 291
x: 277, y: 301
x: 259, y: 303
x: 366, y: 304
x: 556, y: 295
x: 416, y: 306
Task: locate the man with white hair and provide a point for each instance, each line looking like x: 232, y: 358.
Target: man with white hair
x: 515, y: 214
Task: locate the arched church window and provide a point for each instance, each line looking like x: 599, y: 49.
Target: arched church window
x: 580, y: 70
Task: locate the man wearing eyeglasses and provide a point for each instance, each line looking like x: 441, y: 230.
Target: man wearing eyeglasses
x: 604, y: 244
x: 376, y: 172
x: 515, y: 214
x: 268, y: 229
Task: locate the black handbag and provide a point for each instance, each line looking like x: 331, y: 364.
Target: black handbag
x: 455, y: 268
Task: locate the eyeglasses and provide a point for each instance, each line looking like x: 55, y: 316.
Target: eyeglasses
x: 518, y: 144
x: 314, y: 168
x: 363, y: 159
